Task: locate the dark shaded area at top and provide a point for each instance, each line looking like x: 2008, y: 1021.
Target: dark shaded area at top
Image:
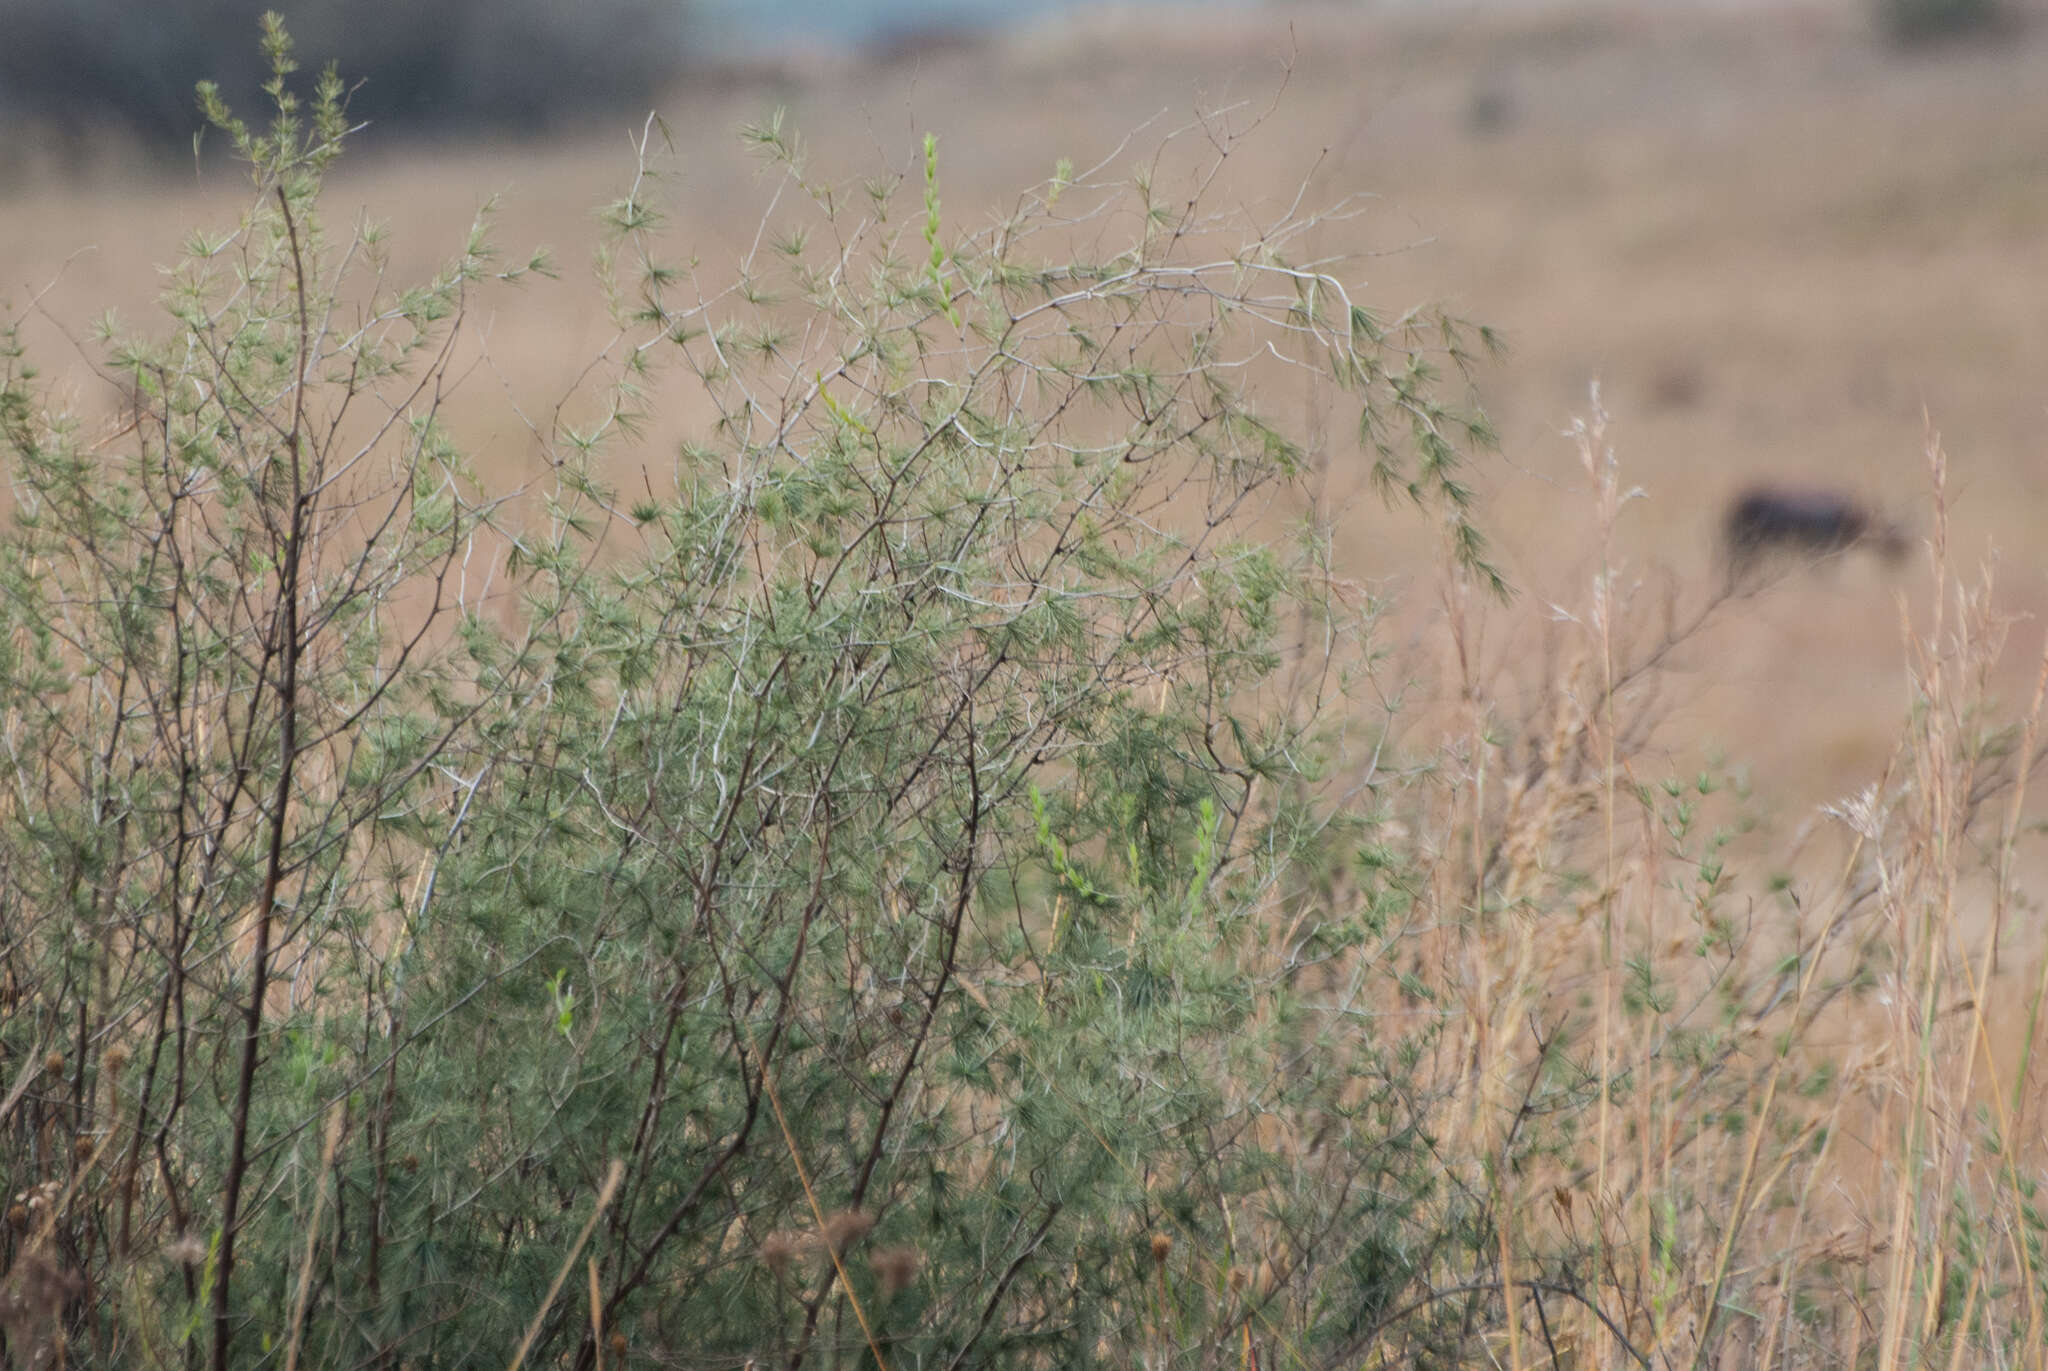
x: 79, y: 67
x: 519, y: 66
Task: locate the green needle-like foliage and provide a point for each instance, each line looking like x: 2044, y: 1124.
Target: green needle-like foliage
x: 879, y: 844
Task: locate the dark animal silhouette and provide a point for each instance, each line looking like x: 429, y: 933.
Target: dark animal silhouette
x: 1767, y: 520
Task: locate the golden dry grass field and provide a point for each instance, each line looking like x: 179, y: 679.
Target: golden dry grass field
x: 1775, y: 239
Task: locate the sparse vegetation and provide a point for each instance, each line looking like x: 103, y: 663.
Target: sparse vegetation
x: 938, y: 883
x: 1915, y: 21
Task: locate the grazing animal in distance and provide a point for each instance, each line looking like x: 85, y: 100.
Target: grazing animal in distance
x: 1767, y: 520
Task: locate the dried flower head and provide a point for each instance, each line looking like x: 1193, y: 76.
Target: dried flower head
x: 618, y: 1344
x: 1162, y: 1247
x: 895, y: 1267
x: 847, y: 1227
x: 17, y: 1214
x: 777, y: 1251
x: 54, y: 1063
x: 411, y: 1162
x: 114, y: 1059
x: 82, y: 1146
x: 187, y: 1249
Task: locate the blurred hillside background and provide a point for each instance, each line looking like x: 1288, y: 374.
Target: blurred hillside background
x: 1779, y: 233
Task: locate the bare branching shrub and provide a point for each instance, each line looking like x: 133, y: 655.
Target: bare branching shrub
x: 218, y: 713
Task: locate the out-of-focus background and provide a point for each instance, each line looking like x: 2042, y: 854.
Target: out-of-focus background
x: 1779, y: 233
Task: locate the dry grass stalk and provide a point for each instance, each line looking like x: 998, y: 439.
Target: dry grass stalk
x: 1717, y: 1184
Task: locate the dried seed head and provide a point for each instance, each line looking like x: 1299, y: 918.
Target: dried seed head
x: 410, y: 1161
x: 895, y: 1267
x: 17, y: 1214
x: 114, y: 1059
x: 618, y: 1344
x: 82, y: 1147
x: 1162, y: 1247
x: 54, y: 1063
x: 847, y: 1227
x: 777, y: 1250
x: 187, y: 1249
